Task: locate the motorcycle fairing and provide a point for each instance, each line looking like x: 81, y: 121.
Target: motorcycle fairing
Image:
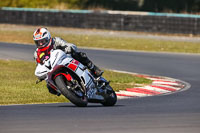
x: 60, y: 62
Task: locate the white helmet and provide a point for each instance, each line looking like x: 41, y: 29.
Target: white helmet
x: 42, y: 37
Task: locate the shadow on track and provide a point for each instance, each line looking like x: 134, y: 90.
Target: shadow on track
x: 90, y: 106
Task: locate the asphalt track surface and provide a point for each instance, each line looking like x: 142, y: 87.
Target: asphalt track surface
x: 175, y: 113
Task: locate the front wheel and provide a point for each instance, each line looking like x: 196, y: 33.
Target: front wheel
x: 69, y: 94
x: 111, y: 98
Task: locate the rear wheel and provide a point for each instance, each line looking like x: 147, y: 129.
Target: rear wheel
x: 111, y: 98
x: 80, y: 101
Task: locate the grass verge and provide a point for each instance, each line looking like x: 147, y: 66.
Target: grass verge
x: 17, y: 84
x: 23, y: 34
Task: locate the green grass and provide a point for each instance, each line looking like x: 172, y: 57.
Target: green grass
x: 99, y: 41
x: 17, y: 84
x: 132, y: 43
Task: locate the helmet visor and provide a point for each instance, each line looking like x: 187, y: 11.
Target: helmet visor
x: 41, y: 43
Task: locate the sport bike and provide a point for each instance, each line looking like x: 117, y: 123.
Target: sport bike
x: 72, y: 79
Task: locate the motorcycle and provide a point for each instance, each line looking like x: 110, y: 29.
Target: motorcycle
x: 72, y: 79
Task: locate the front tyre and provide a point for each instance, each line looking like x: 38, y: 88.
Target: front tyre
x: 69, y: 94
x: 111, y: 98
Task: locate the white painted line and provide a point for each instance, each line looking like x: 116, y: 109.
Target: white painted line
x: 162, y: 82
x: 167, y: 86
x: 156, y: 89
x: 152, y: 79
x: 161, y: 79
x: 133, y: 93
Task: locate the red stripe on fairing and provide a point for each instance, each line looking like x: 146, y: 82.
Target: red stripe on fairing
x: 164, y: 88
x: 75, y: 62
x: 125, y: 95
x: 72, y: 66
x: 143, y: 91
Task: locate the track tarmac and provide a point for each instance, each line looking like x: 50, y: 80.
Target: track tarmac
x: 175, y: 113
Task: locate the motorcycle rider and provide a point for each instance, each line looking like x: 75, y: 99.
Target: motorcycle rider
x: 45, y: 42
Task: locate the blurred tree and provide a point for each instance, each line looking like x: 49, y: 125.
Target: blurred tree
x: 171, y: 5
x: 195, y: 6
x: 113, y: 4
x: 27, y: 3
x: 190, y: 6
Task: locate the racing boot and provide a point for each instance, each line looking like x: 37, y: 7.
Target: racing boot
x: 82, y: 57
x: 95, y: 70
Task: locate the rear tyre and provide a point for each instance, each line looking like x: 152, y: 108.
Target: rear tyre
x: 69, y: 94
x: 111, y: 98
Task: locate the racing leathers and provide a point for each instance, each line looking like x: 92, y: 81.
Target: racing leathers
x: 70, y: 48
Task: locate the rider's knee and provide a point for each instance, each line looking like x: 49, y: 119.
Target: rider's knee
x: 83, y: 55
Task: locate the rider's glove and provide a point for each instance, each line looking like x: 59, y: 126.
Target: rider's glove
x: 68, y: 49
x: 43, y: 77
x: 40, y: 79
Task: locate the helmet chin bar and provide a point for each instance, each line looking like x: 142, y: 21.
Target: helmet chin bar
x: 42, y: 43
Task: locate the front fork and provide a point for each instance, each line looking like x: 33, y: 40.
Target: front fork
x: 101, y: 83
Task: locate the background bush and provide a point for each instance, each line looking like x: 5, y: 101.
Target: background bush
x: 177, y: 6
